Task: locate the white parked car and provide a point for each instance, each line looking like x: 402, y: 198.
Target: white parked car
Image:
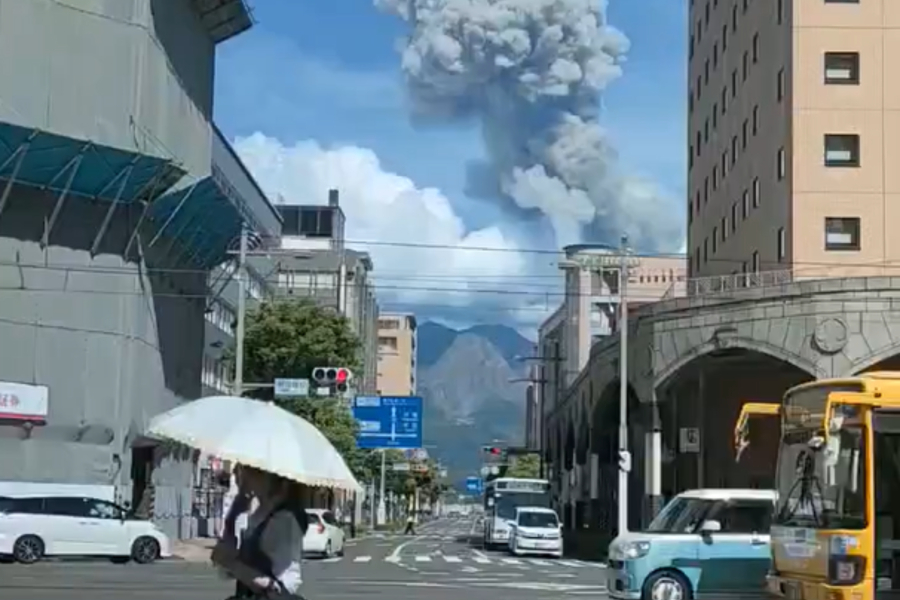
x: 324, y: 535
x: 33, y: 527
x: 535, y: 530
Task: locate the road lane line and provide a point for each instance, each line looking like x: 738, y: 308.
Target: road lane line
x: 362, y: 559
x: 538, y: 562
x: 511, y: 561
x: 479, y: 553
x: 569, y: 563
x: 482, y: 560
x: 452, y: 559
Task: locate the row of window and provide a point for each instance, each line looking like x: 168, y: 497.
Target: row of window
x: 841, y: 234
x: 214, y: 374
x: 222, y: 317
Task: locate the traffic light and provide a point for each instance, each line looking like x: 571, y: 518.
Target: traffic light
x: 493, y: 451
x: 337, y: 377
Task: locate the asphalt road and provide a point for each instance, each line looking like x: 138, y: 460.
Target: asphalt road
x: 439, y: 563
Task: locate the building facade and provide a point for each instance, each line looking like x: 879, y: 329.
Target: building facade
x: 118, y: 195
x: 792, y: 113
x: 314, y: 263
x: 397, y: 343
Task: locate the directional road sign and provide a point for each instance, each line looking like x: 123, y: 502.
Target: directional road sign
x: 291, y: 388
x: 474, y: 484
x: 388, y: 421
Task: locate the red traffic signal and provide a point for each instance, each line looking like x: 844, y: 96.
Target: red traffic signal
x: 493, y: 450
x: 342, y: 375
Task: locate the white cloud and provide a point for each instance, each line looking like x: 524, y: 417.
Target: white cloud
x: 386, y: 207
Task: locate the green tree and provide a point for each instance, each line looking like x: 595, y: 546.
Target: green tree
x: 525, y: 466
x: 290, y: 338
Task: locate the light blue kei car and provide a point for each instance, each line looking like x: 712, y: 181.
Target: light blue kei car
x: 703, y: 542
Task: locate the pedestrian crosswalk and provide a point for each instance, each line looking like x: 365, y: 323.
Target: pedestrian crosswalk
x: 478, y: 559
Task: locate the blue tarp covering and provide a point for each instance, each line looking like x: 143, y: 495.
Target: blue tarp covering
x: 49, y: 154
x: 207, y: 220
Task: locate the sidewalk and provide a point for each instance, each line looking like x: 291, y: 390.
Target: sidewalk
x: 195, y: 550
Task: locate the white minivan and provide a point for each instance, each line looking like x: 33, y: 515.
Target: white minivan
x: 37, y: 526
x: 535, y: 530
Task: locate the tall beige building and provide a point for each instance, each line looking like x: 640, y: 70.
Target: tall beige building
x: 396, y: 354
x: 794, y: 122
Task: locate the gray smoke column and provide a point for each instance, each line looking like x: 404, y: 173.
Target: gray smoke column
x: 532, y: 73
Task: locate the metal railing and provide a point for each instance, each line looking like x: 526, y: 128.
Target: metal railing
x: 704, y: 286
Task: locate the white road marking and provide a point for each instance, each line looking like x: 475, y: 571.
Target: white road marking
x: 453, y: 559
x: 423, y: 559
x: 396, y: 553
x: 511, y: 561
x: 362, y: 559
x: 479, y: 554
x: 333, y: 559
x: 482, y: 560
x: 538, y: 562
x: 570, y: 563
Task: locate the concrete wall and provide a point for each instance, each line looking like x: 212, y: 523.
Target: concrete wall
x: 117, y: 342
x: 132, y: 74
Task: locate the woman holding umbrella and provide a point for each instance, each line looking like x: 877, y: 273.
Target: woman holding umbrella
x: 267, y: 562
x: 286, y: 452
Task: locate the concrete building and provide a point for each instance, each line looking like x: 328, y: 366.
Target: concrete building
x: 323, y: 269
x: 397, y: 354
x: 792, y: 113
x: 117, y: 197
x: 793, y: 272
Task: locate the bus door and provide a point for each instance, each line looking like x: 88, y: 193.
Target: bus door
x: 742, y: 428
x: 886, y: 459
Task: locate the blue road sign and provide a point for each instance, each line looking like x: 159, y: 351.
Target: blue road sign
x: 474, y: 484
x: 388, y: 421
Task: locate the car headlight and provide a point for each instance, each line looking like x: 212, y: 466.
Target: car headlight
x: 529, y: 535
x: 630, y: 550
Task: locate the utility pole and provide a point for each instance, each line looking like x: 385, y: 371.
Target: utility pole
x: 241, y: 313
x: 382, y: 508
x: 624, y: 455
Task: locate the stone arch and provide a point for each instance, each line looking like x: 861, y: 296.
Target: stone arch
x: 738, y: 343
x: 873, y: 360
x: 604, y: 421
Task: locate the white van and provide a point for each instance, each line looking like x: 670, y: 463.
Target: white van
x: 535, y: 530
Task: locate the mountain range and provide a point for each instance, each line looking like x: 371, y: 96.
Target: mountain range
x: 467, y: 379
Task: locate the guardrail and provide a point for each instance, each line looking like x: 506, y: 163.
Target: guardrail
x: 704, y: 286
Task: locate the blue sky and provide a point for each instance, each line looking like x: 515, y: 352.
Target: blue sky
x: 329, y: 72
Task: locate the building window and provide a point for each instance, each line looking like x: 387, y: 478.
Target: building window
x: 690, y: 211
x: 705, y: 251
x: 734, y: 17
x: 781, y: 244
x: 841, y: 150
x: 690, y: 157
x: 842, y: 233
x: 745, y: 134
x: 734, y: 83
x: 842, y: 68
x: 754, y: 263
x: 745, y: 205
x: 706, y: 72
x: 724, y: 228
x: 724, y: 38
x: 691, y: 103
x: 734, y: 149
x: 755, y: 48
x: 781, y: 166
x: 715, y: 239
x: 734, y: 219
x: 756, y: 192
x: 715, y: 178
x: 715, y: 115
x: 705, y: 190
x: 841, y: 1
x: 706, y: 13
x: 746, y: 6
x: 745, y: 66
x: 724, y: 100
x: 779, y: 11
x: 706, y: 131
x: 756, y: 119
x: 715, y: 55
x: 691, y: 47
x: 699, y: 87
x: 724, y: 164
x: 780, y: 85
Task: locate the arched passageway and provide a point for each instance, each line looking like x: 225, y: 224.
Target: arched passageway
x: 602, y: 511
x: 699, y: 405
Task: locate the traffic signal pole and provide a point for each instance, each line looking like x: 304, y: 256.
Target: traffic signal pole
x: 382, y: 508
x: 241, y: 314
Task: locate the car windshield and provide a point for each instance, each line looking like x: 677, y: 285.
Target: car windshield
x: 538, y: 519
x: 681, y: 515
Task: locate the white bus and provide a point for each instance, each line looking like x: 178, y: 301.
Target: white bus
x: 502, y: 496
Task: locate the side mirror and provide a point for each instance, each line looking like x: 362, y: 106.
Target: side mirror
x: 710, y: 526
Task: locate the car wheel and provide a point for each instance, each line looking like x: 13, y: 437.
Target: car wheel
x: 145, y: 550
x: 328, y: 550
x: 666, y: 585
x: 28, y: 549
x: 343, y: 548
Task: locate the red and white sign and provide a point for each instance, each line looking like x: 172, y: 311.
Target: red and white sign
x: 23, y: 402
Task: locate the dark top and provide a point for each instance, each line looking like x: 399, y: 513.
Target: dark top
x: 251, y: 553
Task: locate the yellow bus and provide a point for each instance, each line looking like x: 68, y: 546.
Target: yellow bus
x: 836, y: 525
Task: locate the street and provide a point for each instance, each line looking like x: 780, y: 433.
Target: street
x: 436, y: 564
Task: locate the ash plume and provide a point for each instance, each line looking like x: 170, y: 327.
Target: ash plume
x: 532, y: 73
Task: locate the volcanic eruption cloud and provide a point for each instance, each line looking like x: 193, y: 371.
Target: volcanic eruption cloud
x: 532, y: 73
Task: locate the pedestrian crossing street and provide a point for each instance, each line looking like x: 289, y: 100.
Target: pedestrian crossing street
x: 470, y: 560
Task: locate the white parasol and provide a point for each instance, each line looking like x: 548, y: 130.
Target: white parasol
x: 257, y: 434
